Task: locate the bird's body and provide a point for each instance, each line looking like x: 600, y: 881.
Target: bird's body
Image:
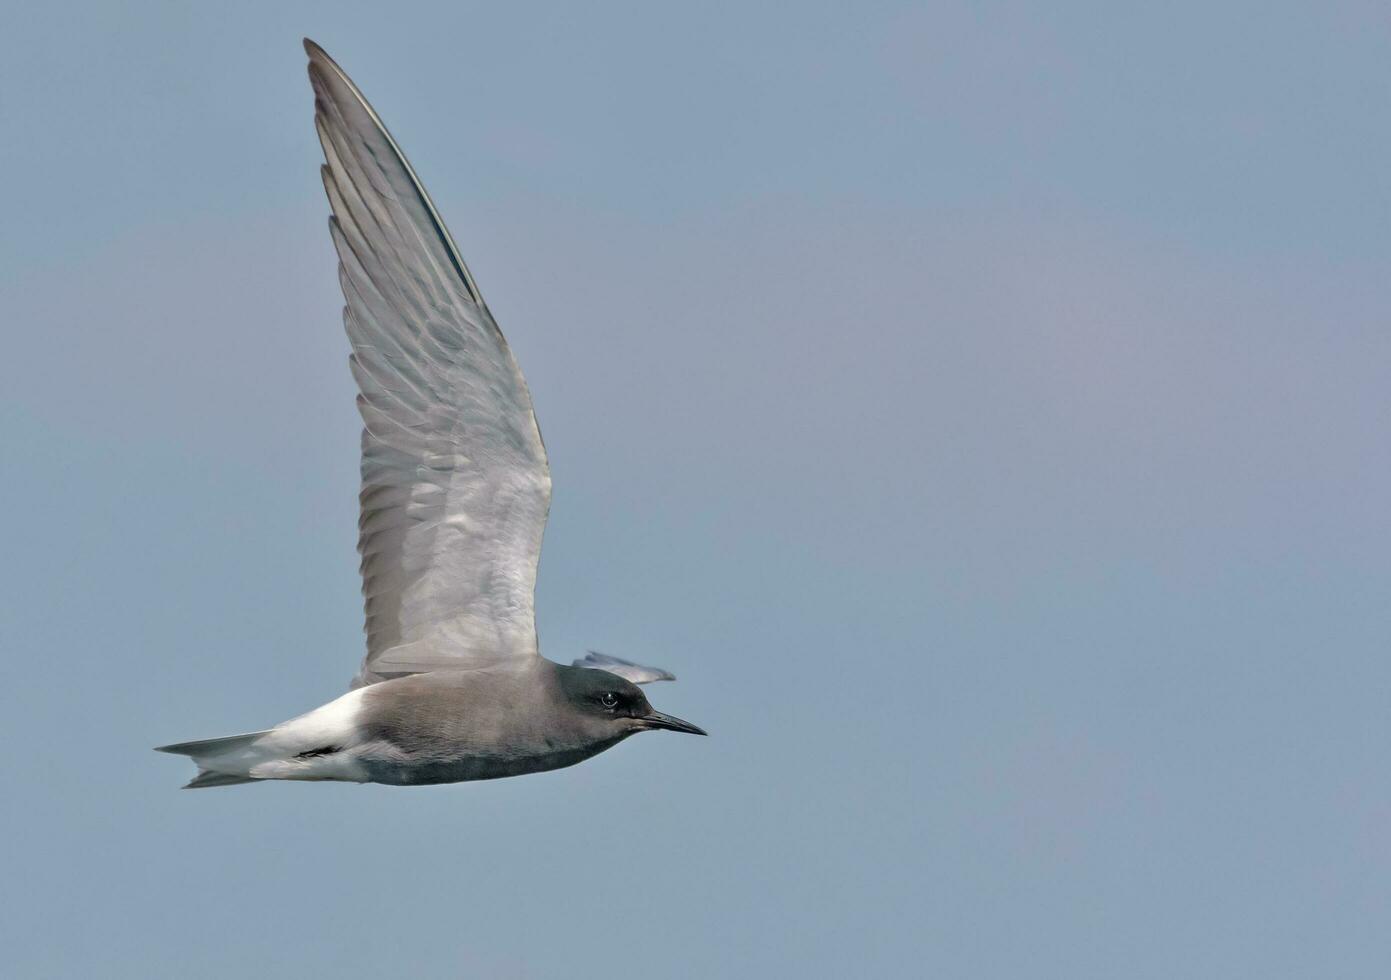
x: 455, y: 492
x: 445, y: 727
x: 437, y: 727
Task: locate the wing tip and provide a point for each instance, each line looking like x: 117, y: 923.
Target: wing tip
x: 320, y: 60
x: 322, y: 65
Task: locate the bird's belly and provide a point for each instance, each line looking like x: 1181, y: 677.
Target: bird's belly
x: 394, y: 768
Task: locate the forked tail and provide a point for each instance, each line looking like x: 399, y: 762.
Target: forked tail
x: 220, y: 761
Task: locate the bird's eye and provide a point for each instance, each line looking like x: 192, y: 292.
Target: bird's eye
x: 609, y: 700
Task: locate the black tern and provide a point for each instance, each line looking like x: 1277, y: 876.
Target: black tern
x: 455, y: 492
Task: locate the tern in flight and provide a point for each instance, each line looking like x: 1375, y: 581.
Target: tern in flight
x: 455, y: 491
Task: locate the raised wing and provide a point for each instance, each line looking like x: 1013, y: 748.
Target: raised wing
x: 455, y: 483
x: 625, y: 669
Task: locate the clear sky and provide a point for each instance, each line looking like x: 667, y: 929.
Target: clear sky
x: 982, y: 408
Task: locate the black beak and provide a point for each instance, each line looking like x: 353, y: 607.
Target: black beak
x: 658, y: 720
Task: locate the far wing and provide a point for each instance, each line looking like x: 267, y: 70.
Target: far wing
x: 625, y: 669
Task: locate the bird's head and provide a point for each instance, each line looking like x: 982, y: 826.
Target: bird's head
x: 617, y: 705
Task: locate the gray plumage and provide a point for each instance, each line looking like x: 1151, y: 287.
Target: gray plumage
x: 454, y: 497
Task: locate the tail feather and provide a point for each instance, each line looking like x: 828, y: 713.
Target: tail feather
x: 220, y: 761
x: 212, y: 746
x: 207, y: 778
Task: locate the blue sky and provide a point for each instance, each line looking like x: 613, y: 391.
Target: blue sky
x: 981, y: 408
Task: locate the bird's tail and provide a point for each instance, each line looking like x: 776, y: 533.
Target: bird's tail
x: 221, y: 761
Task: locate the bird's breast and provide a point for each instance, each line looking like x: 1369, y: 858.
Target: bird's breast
x: 446, y: 729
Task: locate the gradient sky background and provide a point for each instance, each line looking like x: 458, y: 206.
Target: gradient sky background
x: 983, y: 409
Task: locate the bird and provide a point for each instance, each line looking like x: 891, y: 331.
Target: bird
x: 455, y: 491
